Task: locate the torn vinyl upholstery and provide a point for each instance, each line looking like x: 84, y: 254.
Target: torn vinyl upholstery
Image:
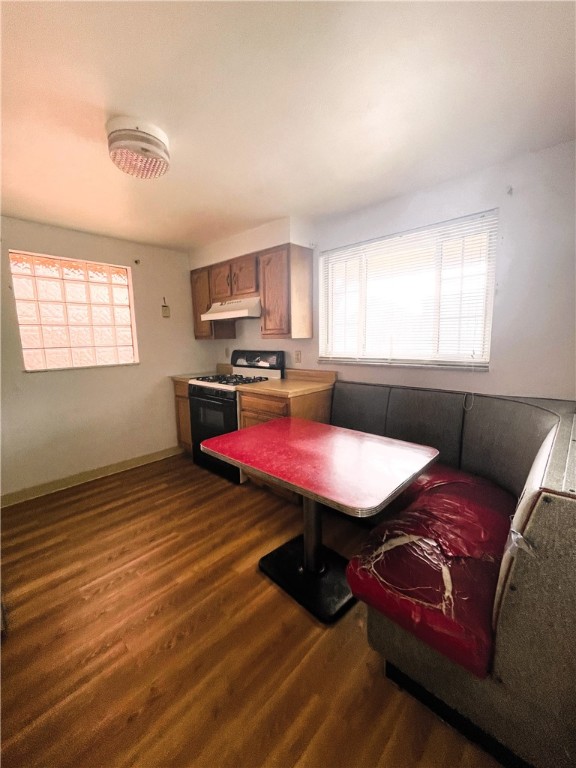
x: 432, y: 566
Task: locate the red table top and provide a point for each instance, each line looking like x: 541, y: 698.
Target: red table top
x: 354, y: 472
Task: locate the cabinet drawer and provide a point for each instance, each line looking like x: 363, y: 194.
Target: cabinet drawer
x: 273, y: 406
x: 251, y: 418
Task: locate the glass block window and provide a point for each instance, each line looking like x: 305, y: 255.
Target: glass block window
x: 73, y: 313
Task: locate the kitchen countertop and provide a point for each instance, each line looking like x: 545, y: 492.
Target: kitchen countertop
x: 187, y: 376
x: 286, y: 387
x: 220, y: 368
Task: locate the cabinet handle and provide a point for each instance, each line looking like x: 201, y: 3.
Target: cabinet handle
x: 228, y: 279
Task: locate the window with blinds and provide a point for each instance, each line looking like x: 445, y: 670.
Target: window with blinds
x: 72, y: 313
x: 422, y: 297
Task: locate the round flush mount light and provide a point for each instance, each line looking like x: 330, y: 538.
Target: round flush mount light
x: 138, y: 148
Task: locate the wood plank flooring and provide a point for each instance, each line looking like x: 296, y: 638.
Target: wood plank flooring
x: 141, y: 633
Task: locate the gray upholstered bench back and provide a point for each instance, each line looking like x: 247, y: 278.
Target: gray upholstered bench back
x: 501, y: 439
x: 427, y: 416
x: 360, y: 406
x: 497, y: 438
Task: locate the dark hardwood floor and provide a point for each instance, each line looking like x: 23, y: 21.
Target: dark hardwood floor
x: 141, y: 633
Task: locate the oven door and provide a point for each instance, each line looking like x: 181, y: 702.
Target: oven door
x: 209, y: 417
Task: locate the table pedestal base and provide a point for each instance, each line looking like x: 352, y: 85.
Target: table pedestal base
x: 324, y: 592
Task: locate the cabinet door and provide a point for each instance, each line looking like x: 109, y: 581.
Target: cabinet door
x: 275, y: 292
x: 183, y: 427
x: 201, y: 303
x: 220, y: 283
x: 244, y: 275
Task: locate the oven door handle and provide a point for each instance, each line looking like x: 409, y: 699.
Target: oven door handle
x: 211, y: 400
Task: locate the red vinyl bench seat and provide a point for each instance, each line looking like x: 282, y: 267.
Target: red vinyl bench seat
x: 432, y: 566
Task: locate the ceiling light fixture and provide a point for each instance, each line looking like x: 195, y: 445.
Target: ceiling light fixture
x: 138, y: 148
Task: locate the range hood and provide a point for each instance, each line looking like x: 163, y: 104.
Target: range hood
x: 234, y: 308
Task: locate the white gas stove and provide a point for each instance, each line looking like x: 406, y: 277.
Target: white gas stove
x: 214, y: 402
x: 247, y: 368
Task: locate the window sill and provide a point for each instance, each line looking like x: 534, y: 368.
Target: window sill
x: 465, y: 367
x: 82, y: 368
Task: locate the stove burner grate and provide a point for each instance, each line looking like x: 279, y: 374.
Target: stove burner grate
x: 232, y: 379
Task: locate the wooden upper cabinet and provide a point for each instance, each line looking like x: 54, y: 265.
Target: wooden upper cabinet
x: 244, y: 275
x: 201, y: 302
x: 220, y: 285
x: 281, y: 276
x: 275, y: 292
x: 286, y: 292
x: 238, y: 277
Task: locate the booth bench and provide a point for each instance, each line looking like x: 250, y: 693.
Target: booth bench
x: 470, y: 575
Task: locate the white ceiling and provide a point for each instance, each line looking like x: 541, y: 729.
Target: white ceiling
x: 273, y: 109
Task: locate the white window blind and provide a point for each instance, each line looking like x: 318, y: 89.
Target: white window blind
x: 73, y: 313
x: 418, y: 298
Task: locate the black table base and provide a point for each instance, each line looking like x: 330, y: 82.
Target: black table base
x: 326, y: 594
x: 314, y: 575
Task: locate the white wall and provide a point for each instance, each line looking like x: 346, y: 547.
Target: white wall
x: 56, y: 424
x: 533, y: 347
x: 288, y: 230
x: 534, y: 329
x: 266, y: 236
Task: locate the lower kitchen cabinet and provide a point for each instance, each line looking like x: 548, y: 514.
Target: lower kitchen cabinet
x: 255, y: 409
x: 302, y: 399
x: 183, y: 428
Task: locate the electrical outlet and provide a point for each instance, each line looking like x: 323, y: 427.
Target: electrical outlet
x: 298, y: 356
x: 165, y: 310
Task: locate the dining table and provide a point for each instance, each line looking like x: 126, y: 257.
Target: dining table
x: 356, y: 473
